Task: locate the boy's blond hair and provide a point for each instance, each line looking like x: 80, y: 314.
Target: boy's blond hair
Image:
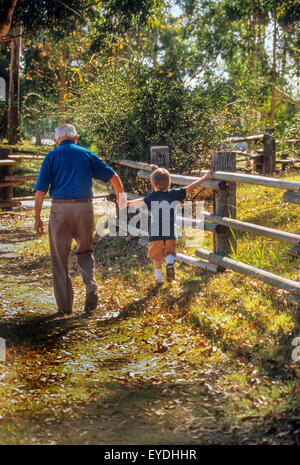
x: 161, y: 179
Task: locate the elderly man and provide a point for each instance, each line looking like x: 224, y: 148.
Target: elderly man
x: 69, y: 170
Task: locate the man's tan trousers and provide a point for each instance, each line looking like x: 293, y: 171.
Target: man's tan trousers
x: 68, y: 221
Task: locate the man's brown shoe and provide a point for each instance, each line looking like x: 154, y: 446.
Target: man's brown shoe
x: 63, y: 312
x: 91, y: 301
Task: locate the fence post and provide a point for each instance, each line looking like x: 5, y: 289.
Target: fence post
x: 269, y: 152
x: 284, y: 156
x: 6, y: 193
x: 159, y: 155
x: 224, y: 202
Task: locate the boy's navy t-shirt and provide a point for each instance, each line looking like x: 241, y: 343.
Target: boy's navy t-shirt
x: 68, y: 171
x: 163, y: 206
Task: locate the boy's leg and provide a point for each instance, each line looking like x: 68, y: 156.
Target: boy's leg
x: 170, y: 254
x: 170, y: 259
x: 155, y: 249
x: 157, y: 263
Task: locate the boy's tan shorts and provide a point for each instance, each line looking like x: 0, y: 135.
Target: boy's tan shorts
x: 159, y: 249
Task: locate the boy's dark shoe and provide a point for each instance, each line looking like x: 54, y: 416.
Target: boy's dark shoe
x: 170, y: 272
x: 91, y: 302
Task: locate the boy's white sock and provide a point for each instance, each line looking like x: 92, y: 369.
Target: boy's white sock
x: 170, y: 260
x: 158, y: 275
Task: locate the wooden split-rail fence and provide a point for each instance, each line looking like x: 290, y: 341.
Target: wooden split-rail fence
x: 260, y: 155
x: 222, y: 222
x: 8, y: 180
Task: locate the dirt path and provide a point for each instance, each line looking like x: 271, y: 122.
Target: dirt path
x: 129, y: 374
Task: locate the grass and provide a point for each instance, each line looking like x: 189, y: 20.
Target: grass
x: 204, y: 360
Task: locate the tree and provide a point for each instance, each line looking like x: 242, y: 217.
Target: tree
x: 59, y: 15
x: 4, y: 74
x: 25, y: 17
x: 52, y: 73
x: 230, y: 38
x: 6, y: 14
x: 13, y: 114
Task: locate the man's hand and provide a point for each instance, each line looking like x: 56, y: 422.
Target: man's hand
x: 39, y: 227
x: 38, y: 203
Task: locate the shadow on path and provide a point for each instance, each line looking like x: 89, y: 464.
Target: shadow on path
x: 43, y: 330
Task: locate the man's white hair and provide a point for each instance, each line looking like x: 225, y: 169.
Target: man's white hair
x: 65, y: 130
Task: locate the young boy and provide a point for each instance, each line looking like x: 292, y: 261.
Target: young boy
x: 162, y: 204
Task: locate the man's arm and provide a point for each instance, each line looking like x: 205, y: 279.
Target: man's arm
x: 197, y: 183
x: 118, y: 187
x: 38, y: 203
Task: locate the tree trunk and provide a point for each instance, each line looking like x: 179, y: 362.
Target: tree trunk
x: 273, y: 97
x: 38, y: 137
x: 252, y: 59
x: 62, y: 85
x: 284, y: 54
x: 5, y: 22
x: 13, y: 117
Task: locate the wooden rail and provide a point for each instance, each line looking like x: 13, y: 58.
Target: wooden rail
x: 269, y: 278
x: 26, y: 157
x: 257, y: 180
x: 6, y: 169
x: 254, y: 229
x: 7, y: 179
x: 186, y: 180
x: 7, y: 162
x: 8, y: 184
x: 19, y: 178
x: 218, y: 176
x: 236, y: 139
x: 145, y: 170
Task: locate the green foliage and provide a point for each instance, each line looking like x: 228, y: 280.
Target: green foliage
x: 128, y: 111
x: 40, y: 14
x: 131, y: 75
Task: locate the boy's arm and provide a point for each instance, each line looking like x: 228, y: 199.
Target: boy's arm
x: 136, y: 203
x: 197, y: 183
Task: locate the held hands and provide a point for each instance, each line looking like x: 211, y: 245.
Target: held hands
x: 122, y: 200
x: 39, y: 227
x: 208, y: 174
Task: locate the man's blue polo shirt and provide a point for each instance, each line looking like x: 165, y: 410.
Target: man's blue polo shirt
x: 69, y: 171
